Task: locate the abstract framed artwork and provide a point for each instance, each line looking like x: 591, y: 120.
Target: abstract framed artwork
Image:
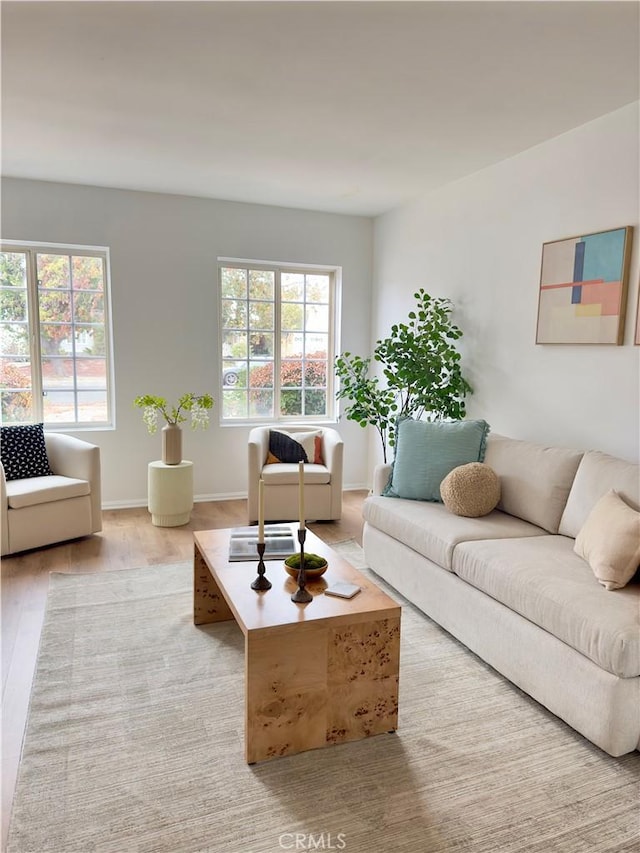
x: 583, y: 288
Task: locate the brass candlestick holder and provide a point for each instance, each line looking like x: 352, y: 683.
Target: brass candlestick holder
x: 302, y: 594
x: 261, y: 582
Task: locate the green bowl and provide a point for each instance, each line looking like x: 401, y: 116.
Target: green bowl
x: 314, y: 565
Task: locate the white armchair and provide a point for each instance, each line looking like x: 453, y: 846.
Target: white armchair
x: 39, y: 511
x: 323, y: 483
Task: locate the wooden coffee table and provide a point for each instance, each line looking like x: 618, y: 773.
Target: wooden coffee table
x: 316, y: 674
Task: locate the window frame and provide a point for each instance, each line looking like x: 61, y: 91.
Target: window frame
x: 278, y: 268
x: 31, y: 250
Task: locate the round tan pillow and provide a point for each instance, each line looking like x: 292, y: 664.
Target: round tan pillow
x: 471, y: 490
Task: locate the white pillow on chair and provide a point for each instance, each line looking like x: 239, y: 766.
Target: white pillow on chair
x: 310, y: 441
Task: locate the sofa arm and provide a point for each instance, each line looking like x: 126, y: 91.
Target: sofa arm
x: 381, y: 474
x: 257, y: 449
x: 73, y: 457
x: 4, y: 512
x: 332, y: 452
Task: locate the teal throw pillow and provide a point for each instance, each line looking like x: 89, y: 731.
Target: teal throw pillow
x: 426, y: 452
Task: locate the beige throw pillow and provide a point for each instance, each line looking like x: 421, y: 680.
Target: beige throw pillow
x: 312, y: 443
x: 471, y: 490
x: 610, y: 541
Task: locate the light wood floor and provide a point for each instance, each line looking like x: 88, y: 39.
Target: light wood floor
x: 128, y: 539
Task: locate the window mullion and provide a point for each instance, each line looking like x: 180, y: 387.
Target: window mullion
x: 303, y: 353
x: 331, y: 348
x: 76, y: 406
x: 277, y: 334
x: 247, y: 341
x: 35, y: 348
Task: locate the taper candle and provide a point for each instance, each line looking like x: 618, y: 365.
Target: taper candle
x: 301, y: 494
x: 260, y: 511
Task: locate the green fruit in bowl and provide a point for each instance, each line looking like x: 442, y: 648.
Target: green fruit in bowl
x: 314, y: 565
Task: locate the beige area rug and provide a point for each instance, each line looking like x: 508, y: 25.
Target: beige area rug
x: 134, y: 745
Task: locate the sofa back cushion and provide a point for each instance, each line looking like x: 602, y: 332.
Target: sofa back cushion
x: 534, y: 480
x: 427, y: 451
x: 598, y: 472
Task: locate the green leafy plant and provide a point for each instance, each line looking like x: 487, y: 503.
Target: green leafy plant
x: 196, y: 404
x: 421, y: 369
x: 371, y: 405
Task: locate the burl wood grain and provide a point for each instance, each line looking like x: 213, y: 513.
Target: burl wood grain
x: 209, y: 604
x: 317, y: 685
x: 315, y: 674
x: 363, y: 680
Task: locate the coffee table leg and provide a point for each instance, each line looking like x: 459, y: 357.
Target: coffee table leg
x: 311, y: 685
x: 364, y: 666
x: 285, y: 691
x: 209, y: 604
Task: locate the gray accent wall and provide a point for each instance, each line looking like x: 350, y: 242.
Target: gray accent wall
x: 164, y: 251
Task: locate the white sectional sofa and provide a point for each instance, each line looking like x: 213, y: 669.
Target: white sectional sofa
x: 510, y: 587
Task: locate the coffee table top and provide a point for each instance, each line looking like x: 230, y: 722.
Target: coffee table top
x: 274, y: 608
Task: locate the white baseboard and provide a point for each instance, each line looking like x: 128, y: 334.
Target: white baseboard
x: 132, y: 503
x: 125, y: 504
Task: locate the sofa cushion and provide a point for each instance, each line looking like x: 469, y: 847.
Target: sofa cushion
x: 471, y: 490
x: 534, y: 479
x: 431, y: 530
x: 597, y: 473
x: 610, y: 541
x: 283, y: 474
x: 23, y: 451
x: 542, y: 579
x: 426, y: 452
x: 41, y: 490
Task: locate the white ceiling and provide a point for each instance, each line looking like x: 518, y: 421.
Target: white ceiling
x: 350, y: 107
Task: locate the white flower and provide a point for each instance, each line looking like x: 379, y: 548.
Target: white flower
x: 199, y: 417
x: 150, y: 417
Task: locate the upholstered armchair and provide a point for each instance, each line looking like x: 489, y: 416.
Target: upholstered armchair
x: 66, y: 504
x: 322, y: 478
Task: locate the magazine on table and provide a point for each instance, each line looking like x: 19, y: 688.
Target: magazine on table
x: 278, y: 541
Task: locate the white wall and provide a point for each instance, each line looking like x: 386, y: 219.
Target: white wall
x: 479, y: 242
x: 164, y: 251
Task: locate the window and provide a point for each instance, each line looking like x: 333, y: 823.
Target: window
x: 277, y: 342
x: 55, y: 348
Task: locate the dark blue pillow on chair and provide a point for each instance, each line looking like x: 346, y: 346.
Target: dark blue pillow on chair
x: 23, y: 452
x: 283, y: 448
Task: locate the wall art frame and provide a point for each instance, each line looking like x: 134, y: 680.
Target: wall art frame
x: 583, y: 288
x: 636, y: 337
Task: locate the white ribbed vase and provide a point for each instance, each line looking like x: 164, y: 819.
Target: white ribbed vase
x: 171, y: 444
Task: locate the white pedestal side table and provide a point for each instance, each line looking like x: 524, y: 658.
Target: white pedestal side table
x: 170, y: 489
